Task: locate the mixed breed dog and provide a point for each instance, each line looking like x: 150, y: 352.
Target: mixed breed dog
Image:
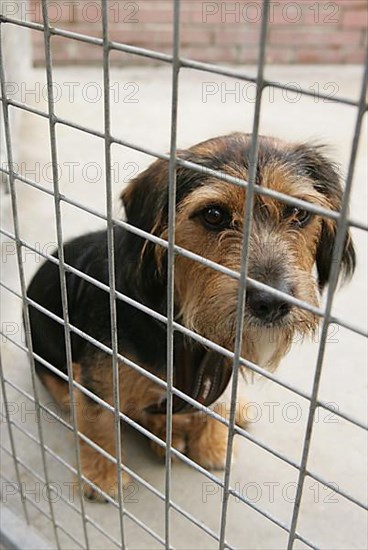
x: 289, y: 249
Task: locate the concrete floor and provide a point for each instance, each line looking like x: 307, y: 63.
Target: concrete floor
x: 338, y: 450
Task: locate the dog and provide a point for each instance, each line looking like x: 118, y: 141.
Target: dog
x: 290, y: 250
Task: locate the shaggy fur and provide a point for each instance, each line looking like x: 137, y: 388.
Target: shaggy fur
x: 286, y: 245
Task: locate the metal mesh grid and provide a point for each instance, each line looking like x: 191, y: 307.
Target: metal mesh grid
x: 244, y: 281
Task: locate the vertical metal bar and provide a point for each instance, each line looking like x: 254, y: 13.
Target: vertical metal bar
x: 244, y: 268
x: 12, y: 443
x: 59, y: 233
x: 111, y: 262
x: 170, y: 265
x: 22, y: 280
x: 342, y: 227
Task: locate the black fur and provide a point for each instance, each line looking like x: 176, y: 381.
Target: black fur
x: 89, y: 308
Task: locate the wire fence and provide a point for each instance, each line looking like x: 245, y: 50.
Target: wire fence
x: 245, y: 282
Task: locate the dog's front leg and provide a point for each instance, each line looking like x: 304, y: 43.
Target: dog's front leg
x: 198, y: 435
x: 207, y: 437
x: 97, y: 423
x: 156, y: 423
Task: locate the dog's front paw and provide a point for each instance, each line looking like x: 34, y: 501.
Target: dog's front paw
x: 207, y: 444
x: 102, y: 473
x: 157, y: 425
x: 178, y: 442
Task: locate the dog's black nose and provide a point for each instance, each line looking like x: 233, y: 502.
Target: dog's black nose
x: 266, y: 306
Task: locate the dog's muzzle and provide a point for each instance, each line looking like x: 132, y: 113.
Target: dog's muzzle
x: 266, y: 306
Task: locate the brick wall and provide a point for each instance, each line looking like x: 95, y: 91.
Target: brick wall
x: 227, y: 31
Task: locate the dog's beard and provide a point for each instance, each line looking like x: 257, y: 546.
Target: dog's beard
x: 213, y: 314
x: 269, y: 341
x: 263, y: 344
x: 266, y: 343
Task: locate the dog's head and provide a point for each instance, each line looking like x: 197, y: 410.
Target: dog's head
x: 285, y: 246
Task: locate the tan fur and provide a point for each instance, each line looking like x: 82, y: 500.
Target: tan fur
x: 58, y: 389
x: 209, y: 301
x: 203, y: 438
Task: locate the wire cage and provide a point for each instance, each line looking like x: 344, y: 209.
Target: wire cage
x: 12, y: 526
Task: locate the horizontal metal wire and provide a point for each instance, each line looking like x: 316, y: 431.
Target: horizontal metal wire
x: 42, y: 511
x: 185, y: 63
x: 296, y: 465
x: 240, y: 431
x: 128, y: 470
x: 123, y: 417
x: 196, y: 167
x: 124, y: 467
x: 180, y: 251
x: 208, y: 343
x: 102, y: 493
x: 176, y: 391
x: 265, y: 191
x: 60, y: 494
x: 234, y: 493
x: 252, y: 366
x: 209, y: 263
x: 157, y: 493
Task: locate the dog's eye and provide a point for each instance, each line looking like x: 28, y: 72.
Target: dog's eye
x: 215, y: 217
x: 296, y: 216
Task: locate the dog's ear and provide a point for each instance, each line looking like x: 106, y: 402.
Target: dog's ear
x: 145, y: 198
x: 326, y: 179
x: 146, y: 201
